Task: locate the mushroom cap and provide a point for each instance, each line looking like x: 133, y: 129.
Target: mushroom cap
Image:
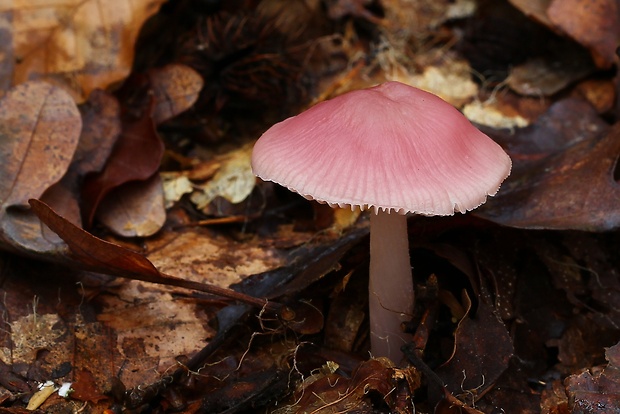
x: 392, y: 147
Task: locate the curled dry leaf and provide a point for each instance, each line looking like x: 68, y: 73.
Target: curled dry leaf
x: 83, y: 45
x: 39, y: 129
x: 175, y: 186
x: 451, y: 80
x: 93, y: 253
x: 487, y: 113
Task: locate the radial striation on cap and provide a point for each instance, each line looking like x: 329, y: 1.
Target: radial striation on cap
x: 392, y: 147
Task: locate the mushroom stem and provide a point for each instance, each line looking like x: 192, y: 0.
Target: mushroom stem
x: 391, y: 285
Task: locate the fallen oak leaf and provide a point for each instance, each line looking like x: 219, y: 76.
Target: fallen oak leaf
x: 108, y: 258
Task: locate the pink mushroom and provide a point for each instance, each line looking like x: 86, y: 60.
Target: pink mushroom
x: 393, y: 148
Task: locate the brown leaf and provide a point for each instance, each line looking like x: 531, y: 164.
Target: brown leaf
x: 595, y: 25
x: 108, y: 258
x: 565, y: 123
x: 536, y: 9
x: 175, y: 88
x: 554, y: 400
x: 101, y: 115
x: 333, y: 393
x: 82, y: 45
x: 96, y: 254
x: 545, y: 76
x: 482, y: 350
x: 85, y: 389
x: 590, y: 392
x: 569, y: 188
x: 40, y: 126
x: 12, y: 381
x: 101, y: 127
x: 39, y: 132
x: 135, y: 209
x: 135, y: 157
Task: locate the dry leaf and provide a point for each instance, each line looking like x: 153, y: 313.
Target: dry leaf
x: 101, y: 115
x: 593, y: 24
x: 536, y: 9
x: 97, y: 255
x: 451, y: 81
x: 40, y: 127
x: 175, y: 186
x: 175, y: 89
x: 548, y: 75
x: 135, y: 209
x: 482, y: 350
x: 596, y: 392
x: 81, y: 44
x: 197, y: 254
x: 573, y: 188
x: 485, y: 113
x: 234, y: 180
x: 135, y: 157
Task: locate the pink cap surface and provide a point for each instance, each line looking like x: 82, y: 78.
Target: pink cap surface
x: 392, y: 147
